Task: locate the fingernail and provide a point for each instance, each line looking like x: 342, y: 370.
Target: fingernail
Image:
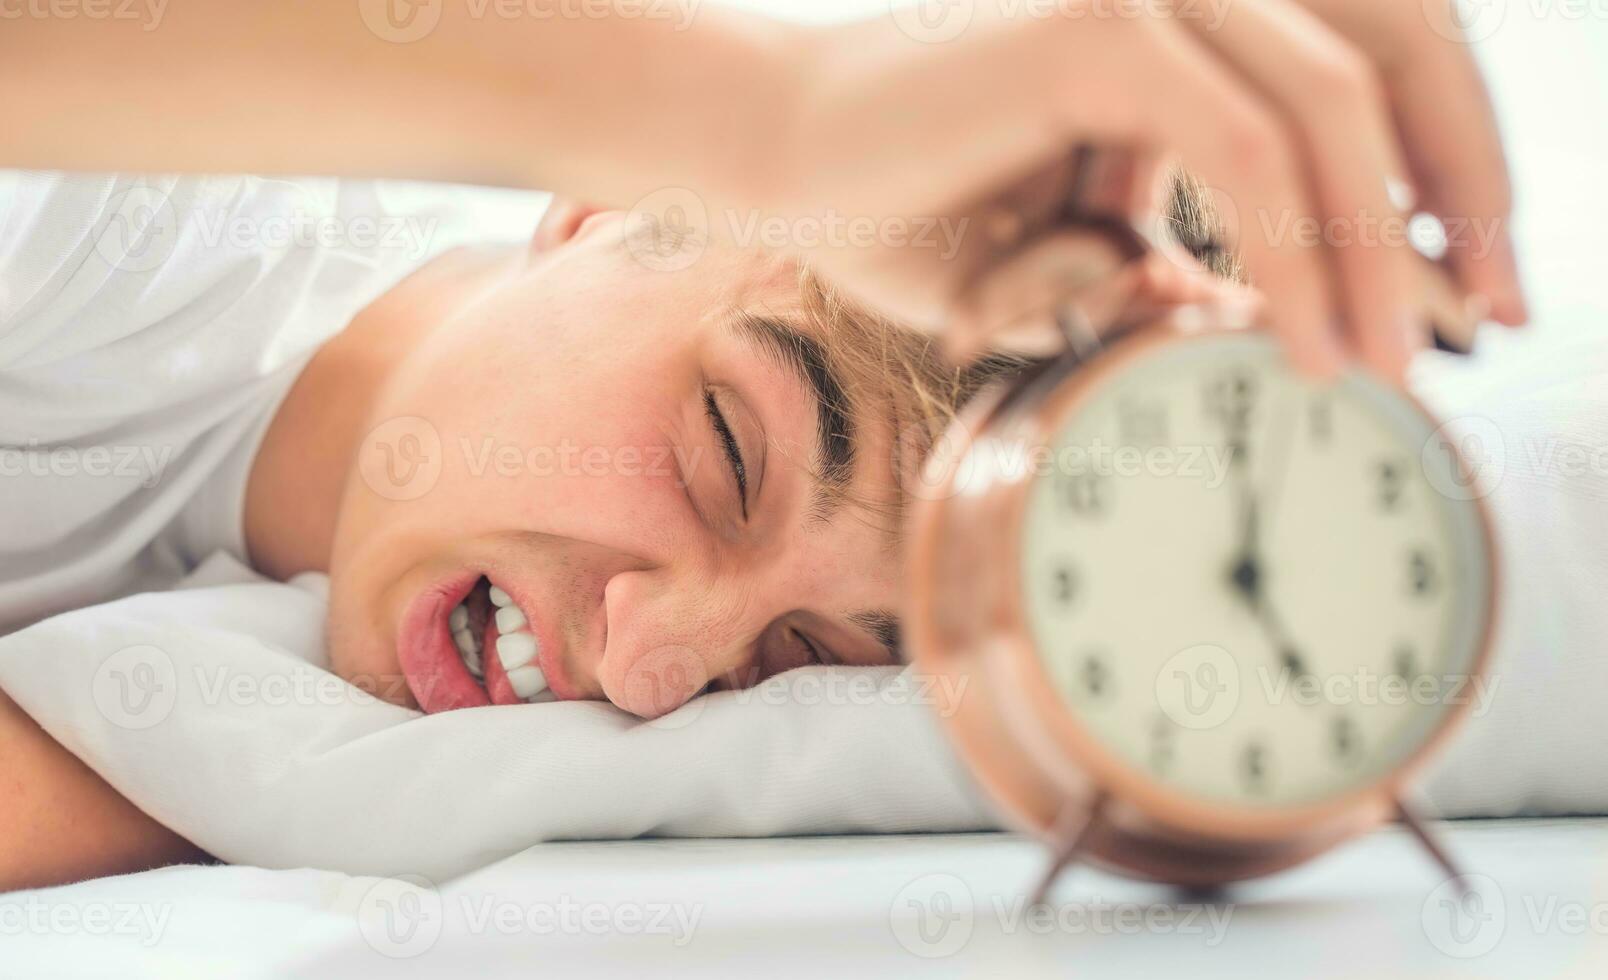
x: 1508, y: 305
x: 1518, y: 311
x: 1401, y: 194
x: 1234, y: 312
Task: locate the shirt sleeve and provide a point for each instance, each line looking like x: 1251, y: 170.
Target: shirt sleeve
x: 49, y: 227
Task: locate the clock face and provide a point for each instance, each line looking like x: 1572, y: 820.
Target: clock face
x: 1248, y: 586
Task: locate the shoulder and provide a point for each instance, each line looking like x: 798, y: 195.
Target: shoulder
x: 88, y: 260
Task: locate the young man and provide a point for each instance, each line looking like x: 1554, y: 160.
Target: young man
x: 529, y: 468
x: 593, y: 459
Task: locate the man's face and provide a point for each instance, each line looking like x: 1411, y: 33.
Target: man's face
x: 631, y: 458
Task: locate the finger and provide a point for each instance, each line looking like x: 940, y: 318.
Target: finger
x: 1455, y: 150
x: 1169, y: 281
x: 1224, y: 131
x: 1453, y: 314
x: 1331, y: 95
x: 1011, y: 306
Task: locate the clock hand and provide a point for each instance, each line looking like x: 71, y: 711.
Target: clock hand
x: 1271, y: 621
x: 1246, y: 575
x: 1289, y: 656
x: 1246, y: 572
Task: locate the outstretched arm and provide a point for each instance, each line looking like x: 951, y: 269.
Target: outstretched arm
x: 600, y: 107
x: 1303, y: 114
x: 61, y: 822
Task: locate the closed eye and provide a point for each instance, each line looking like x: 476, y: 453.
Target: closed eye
x: 815, y: 651
x: 728, y: 442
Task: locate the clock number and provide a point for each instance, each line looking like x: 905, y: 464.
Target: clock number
x: 1064, y: 584
x: 1095, y: 676
x: 1087, y: 494
x: 1391, y: 476
x: 1231, y: 397
x: 1320, y: 421
x: 1345, y: 740
x: 1142, y: 423
x: 1162, y: 746
x: 1238, y: 452
x: 1404, y: 662
x: 1422, y: 579
x: 1253, y: 768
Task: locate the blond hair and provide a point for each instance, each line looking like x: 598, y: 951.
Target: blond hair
x: 892, y: 372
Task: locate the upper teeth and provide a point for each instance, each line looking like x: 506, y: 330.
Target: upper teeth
x: 509, y: 619
x: 516, y: 647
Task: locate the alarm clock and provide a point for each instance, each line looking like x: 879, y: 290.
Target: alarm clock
x: 1201, y: 617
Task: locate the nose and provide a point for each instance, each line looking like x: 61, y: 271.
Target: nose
x: 671, y: 633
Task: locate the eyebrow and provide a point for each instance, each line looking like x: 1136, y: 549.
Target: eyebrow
x: 884, y: 627
x: 835, y: 433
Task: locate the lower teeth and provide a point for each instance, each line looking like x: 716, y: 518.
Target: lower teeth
x: 467, y: 643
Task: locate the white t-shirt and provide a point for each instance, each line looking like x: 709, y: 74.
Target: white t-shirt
x: 150, y: 327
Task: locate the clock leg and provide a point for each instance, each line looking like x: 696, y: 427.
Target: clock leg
x: 1067, y: 839
x: 1415, y: 826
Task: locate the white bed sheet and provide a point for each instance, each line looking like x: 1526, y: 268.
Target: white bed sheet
x: 853, y: 906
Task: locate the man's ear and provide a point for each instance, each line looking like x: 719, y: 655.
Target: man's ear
x: 564, y: 221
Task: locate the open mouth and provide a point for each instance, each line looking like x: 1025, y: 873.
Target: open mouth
x: 466, y: 644
x: 493, y: 636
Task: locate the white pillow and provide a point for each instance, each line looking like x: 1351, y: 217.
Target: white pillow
x: 209, y: 708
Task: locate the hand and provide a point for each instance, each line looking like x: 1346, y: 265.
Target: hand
x: 1287, y: 108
